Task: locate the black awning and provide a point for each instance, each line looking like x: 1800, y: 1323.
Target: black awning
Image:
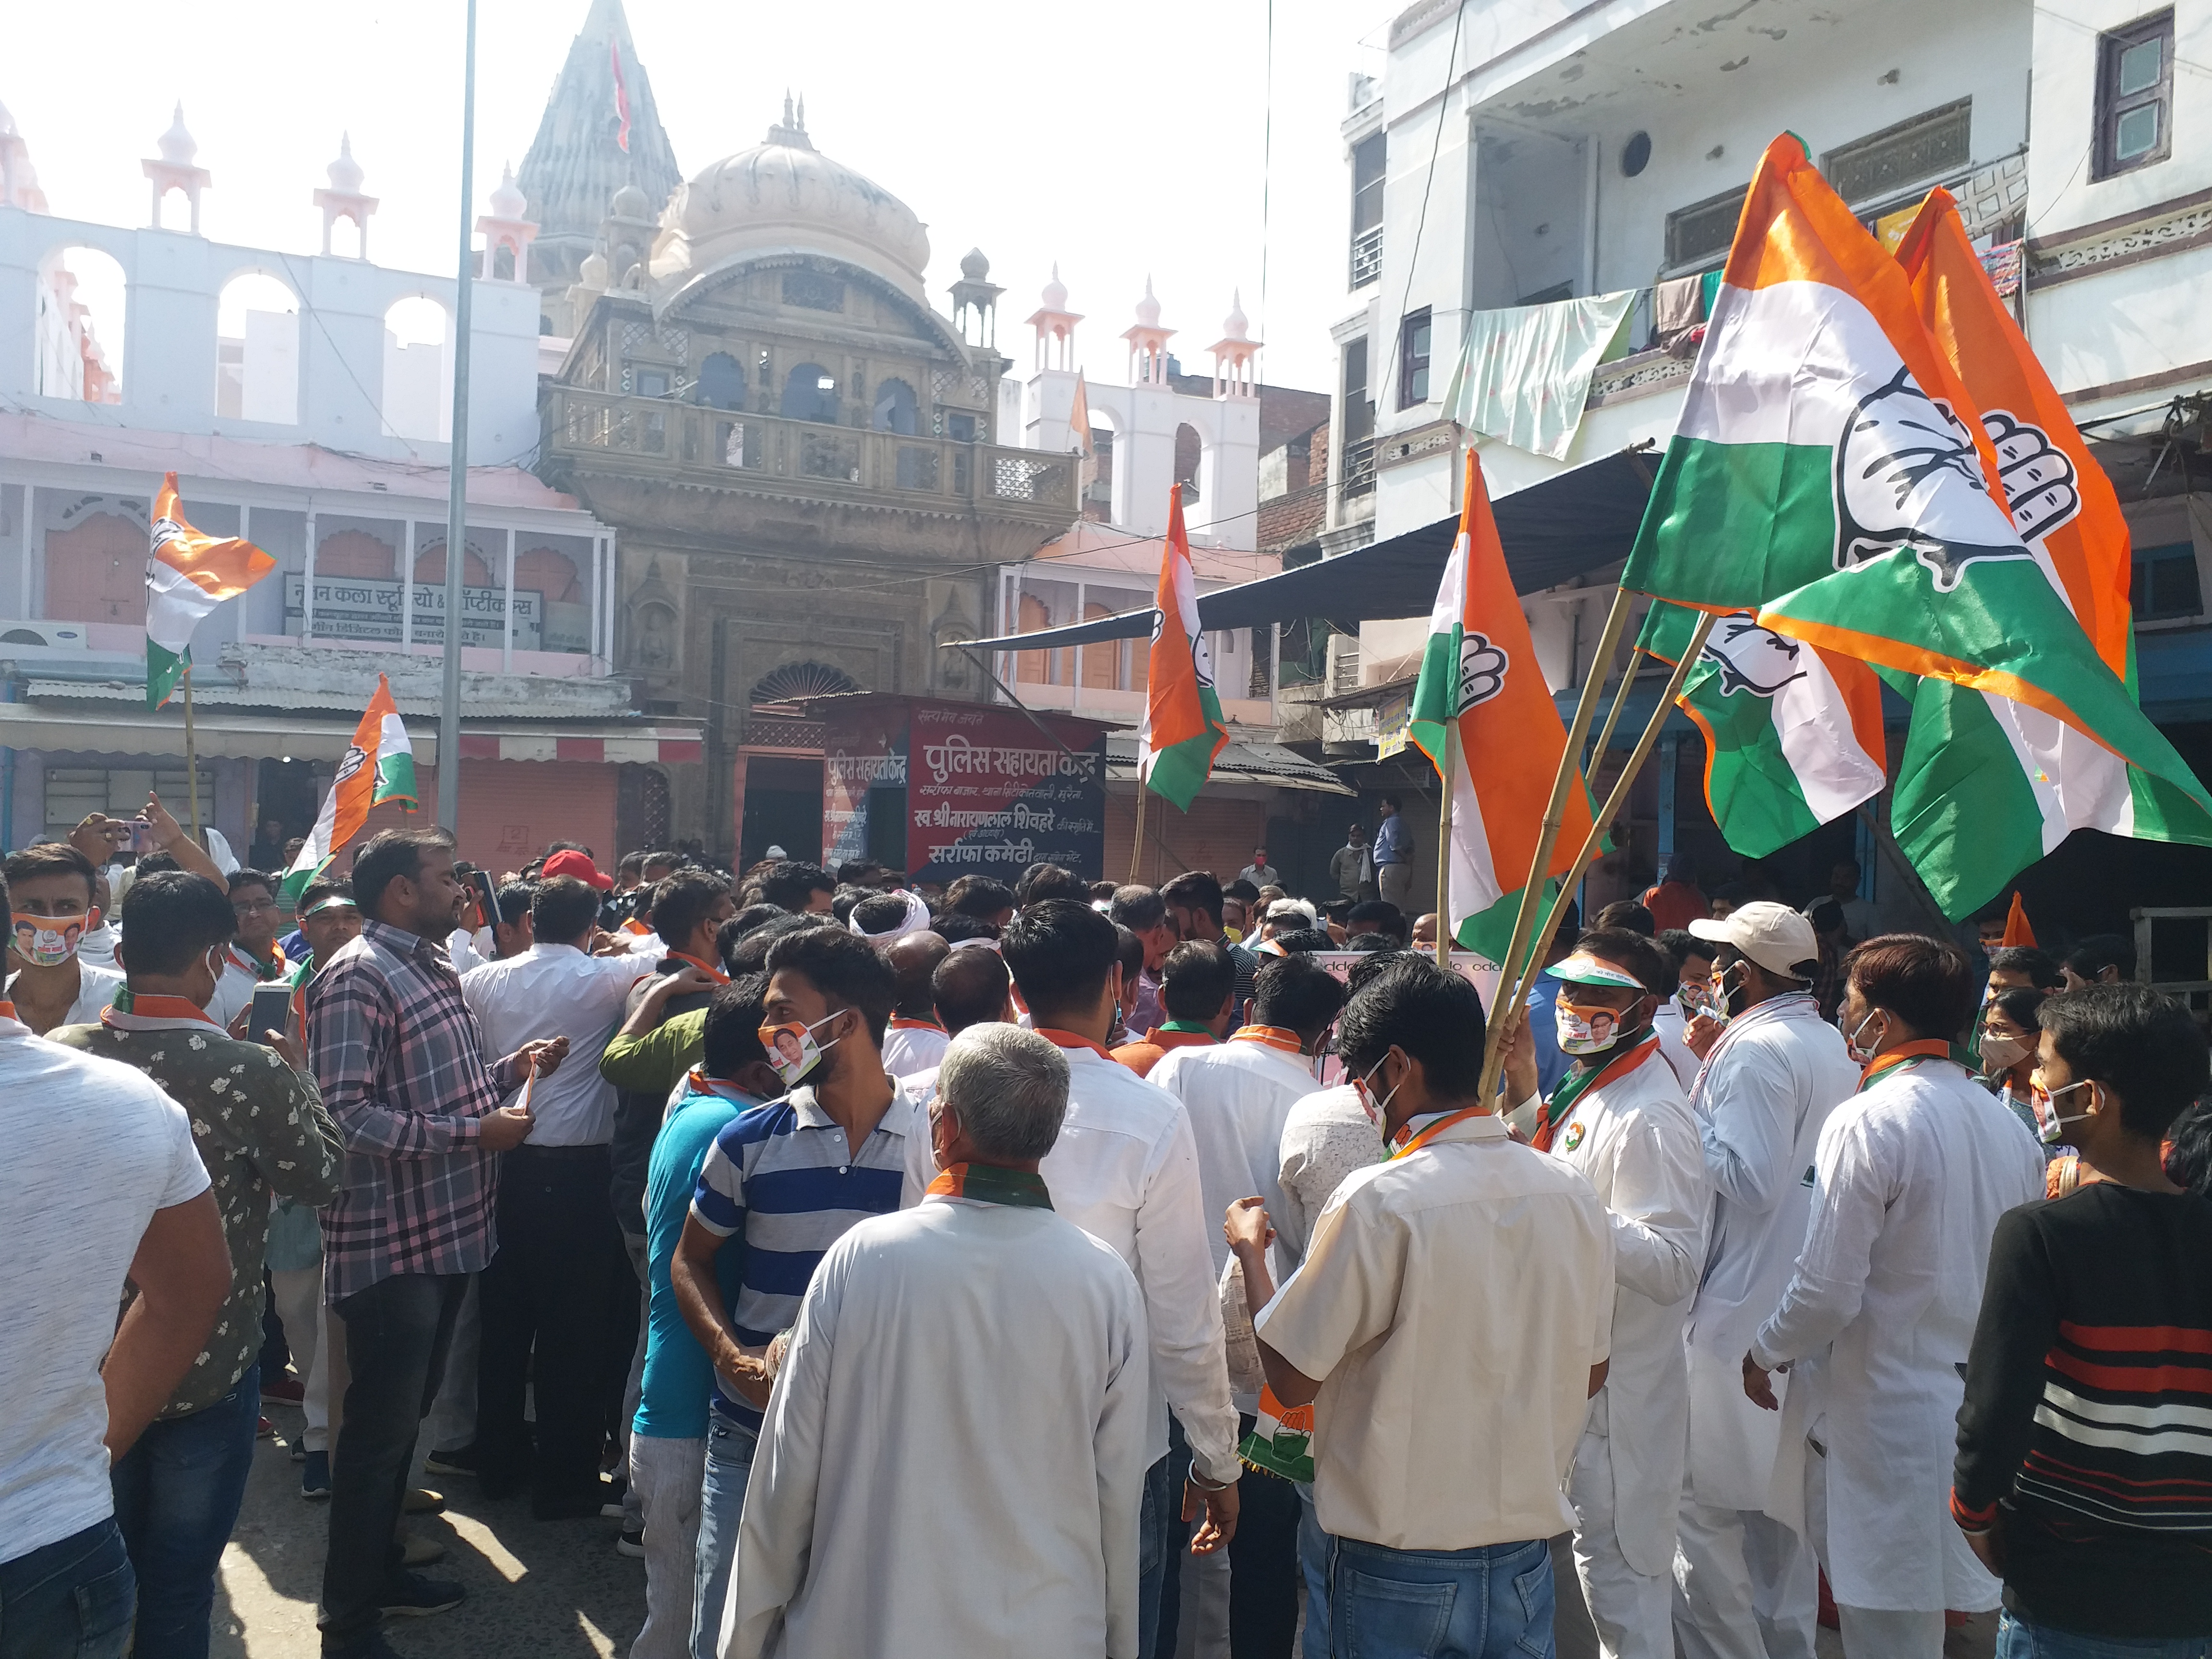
x: 1576, y: 521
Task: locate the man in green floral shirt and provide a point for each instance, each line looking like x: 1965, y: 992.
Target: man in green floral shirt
x: 261, y: 1129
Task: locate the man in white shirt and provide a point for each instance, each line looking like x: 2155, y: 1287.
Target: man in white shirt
x: 55, y: 887
x: 1877, y: 1321
x: 1125, y: 1170
x: 251, y: 959
x: 915, y: 1040
x: 552, y: 1285
x: 952, y: 1460
x: 1239, y: 1095
x: 85, y: 1211
x: 1620, y: 1117
x: 1859, y: 921
x: 1744, y: 1584
x: 1442, y: 1504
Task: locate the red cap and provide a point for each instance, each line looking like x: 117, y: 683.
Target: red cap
x: 569, y: 862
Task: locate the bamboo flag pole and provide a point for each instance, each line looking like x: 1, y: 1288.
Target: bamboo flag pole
x: 1619, y: 701
x: 1444, y: 846
x: 191, y: 758
x: 1137, y: 851
x: 1524, y: 919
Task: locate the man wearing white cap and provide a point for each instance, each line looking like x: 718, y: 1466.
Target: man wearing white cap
x: 1618, y: 1117
x: 1744, y: 1584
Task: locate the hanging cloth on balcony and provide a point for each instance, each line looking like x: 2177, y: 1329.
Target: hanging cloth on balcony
x: 1523, y: 373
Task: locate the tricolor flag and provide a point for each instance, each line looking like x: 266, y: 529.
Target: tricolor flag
x: 378, y: 766
x: 1479, y: 670
x: 2033, y: 778
x: 1828, y: 475
x: 1183, y: 727
x: 187, y: 575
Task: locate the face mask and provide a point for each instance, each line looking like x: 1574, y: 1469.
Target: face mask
x: 1860, y: 1055
x: 2002, y: 1053
x: 2054, y: 1126
x: 1363, y: 1087
x: 49, y: 941
x: 1585, y: 1036
x: 793, y: 1050
x: 1722, y: 990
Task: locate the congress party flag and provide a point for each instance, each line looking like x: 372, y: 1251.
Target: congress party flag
x: 1183, y: 728
x: 379, y: 767
x: 187, y: 575
x: 1829, y: 475
x: 1479, y: 673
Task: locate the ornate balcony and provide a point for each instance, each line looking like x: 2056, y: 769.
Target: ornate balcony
x: 880, y: 490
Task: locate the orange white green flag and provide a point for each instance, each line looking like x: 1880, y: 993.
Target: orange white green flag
x: 187, y: 575
x: 1183, y: 727
x: 2025, y: 779
x: 379, y: 767
x: 1829, y: 475
x: 1479, y: 673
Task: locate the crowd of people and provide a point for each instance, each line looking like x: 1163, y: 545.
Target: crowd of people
x: 1067, y: 1267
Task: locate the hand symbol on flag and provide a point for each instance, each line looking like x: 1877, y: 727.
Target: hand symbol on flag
x: 1907, y: 474
x: 1481, y: 672
x: 2038, y: 479
x: 1751, y: 657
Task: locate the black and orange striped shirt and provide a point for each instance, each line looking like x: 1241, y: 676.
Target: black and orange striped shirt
x: 2088, y: 1411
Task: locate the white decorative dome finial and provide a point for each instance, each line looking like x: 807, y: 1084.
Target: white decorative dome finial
x: 1148, y: 308
x: 178, y: 146
x: 345, y: 173
x: 1055, y: 291
x: 507, y: 202
x: 1235, y: 325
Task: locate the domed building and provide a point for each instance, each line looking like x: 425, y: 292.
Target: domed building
x: 800, y: 455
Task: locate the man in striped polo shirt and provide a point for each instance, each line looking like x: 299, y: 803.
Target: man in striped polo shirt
x: 790, y: 1176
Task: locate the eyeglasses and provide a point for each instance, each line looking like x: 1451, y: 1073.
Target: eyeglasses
x: 252, y: 907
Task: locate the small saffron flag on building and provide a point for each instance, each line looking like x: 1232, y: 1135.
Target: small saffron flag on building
x: 621, y: 96
x: 1479, y: 673
x: 187, y: 575
x: 1183, y: 728
x: 1078, y: 417
x: 379, y: 767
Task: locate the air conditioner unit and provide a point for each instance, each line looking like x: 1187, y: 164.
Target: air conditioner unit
x: 48, y: 635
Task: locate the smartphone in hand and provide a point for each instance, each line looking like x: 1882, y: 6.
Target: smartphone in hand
x: 270, y: 1011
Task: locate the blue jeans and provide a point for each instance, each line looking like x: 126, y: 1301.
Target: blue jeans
x: 71, y: 1599
x: 1313, y: 1567
x: 1162, y: 1541
x: 2018, y: 1639
x: 177, y: 1495
x: 730, y: 1448
x: 1494, y: 1602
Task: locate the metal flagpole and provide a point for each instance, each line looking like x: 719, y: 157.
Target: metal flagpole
x: 457, y: 497
x: 192, y: 757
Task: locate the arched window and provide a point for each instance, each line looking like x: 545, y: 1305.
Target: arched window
x: 896, y: 409
x: 418, y: 371
x: 430, y: 566
x: 257, y: 351
x: 1032, y: 667
x: 1188, y: 452
x: 795, y: 681
x: 810, y: 393
x: 96, y: 571
x: 544, y: 570
x: 356, y: 554
x: 721, y: 382
x: 78, y: 326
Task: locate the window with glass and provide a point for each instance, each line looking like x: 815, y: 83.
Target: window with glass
x: 2135, y: 95
x: 2164, y: 585
x: 1368, y: 157
x: 1413, y: 358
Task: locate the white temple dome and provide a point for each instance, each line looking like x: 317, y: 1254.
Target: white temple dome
x: 507, y: 202
x: 1055, y: 291
x: 178, y: 146
x: 345, y: 173
x: 783, y: 196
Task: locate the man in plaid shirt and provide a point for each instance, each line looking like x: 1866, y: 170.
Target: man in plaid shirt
x: 397, y: 1055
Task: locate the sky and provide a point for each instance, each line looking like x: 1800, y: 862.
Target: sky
x: 1121, y: 142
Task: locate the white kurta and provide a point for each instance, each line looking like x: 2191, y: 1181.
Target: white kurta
x: 1912, y: 1176
x: 1238, y: 1094
x: 953, y: 1459
x: 1637, y: 1145
x: 1767, y: 1090
x: 912, y: 1047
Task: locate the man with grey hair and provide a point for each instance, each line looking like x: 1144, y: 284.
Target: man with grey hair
x: 986, y: 1350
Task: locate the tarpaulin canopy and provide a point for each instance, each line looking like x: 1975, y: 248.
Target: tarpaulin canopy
x: 1574, y: 521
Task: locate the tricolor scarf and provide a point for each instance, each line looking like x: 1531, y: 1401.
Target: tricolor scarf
x: 1904, y: 1055
x: 132, y: 1011
x: 274, y: 968
x: 1269, y: 1036
x: 1183, y: 1028
x: 1281, y: 1442
x: 901, y: 1023
x: 1410, y: 1140
x: 1582, y: 1079
x: 988, y: 1183
x: 1774, y: 1008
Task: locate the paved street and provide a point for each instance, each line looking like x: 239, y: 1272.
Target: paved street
x: 549, y: 1590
